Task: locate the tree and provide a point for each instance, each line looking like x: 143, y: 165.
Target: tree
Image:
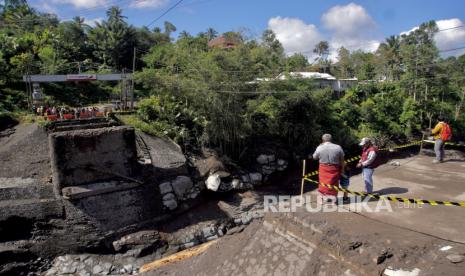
x: 169, y: 28
x: 184, y: 34
x: 211, y: 33
x: 113, y: 40
x: 344, y: 65
x: 389, y: 54
x: 322, y: 50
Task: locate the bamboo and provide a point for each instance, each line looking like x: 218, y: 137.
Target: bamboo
x: 303, y: 181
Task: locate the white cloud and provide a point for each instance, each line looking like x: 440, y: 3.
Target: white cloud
x: 348, y: 20
x: 148, y: 3
x: 45, y: 7
x: 295, y: 35
x: 351, y: 27
x: 449, y: 38
x: 93, y: 22
x: 83, y: 3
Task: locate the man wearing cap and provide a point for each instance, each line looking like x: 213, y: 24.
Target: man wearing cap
x: 331, y: 159
x: 368, y: 162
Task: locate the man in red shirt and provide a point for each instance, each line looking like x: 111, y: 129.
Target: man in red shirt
x: 368, y: 163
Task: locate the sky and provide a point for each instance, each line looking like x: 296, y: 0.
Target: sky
x: 298, y: 24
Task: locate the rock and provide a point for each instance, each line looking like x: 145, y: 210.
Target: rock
x: 455, y: 258
x: 246, y: 219
x: 52, y: 271
x: 188, y: 245
x: 213, y: 182
x: 235, y: 230
x: 210, y: 166
x: 282, y: 165
x: 107, y: 268
x: 69, y: 269
x: 97, y: 269
x: 255, y: 178
x: 169, y: 196
x: 182, y: 185
x: 165, y: 188
x: 262, y: 159
x: 134, y: 253
x: 83, y: 257
x: 208, y: 231
x: 214, y: 237
x: 171, y: 204
x: 128, y: 268
x: 266, y: 170
x: 141, y: 239
x: 245, y: 178
x: 385, y: 254
x: 84, y: 273
x: 236, y: 184
x: 282, y: 162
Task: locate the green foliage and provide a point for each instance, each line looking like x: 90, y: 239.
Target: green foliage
x: 202, y: 96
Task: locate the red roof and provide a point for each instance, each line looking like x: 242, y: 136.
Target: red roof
x: 222, y: 42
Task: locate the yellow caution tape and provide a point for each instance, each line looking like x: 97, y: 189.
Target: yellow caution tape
x: 390, y: 198
x: 447, y: 143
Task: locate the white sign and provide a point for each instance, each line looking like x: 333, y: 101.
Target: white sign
x: 81, y: 77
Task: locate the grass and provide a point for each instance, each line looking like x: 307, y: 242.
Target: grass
x: 134, y: 121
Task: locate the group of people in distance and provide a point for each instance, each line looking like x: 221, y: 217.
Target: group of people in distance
x: 333, y: 171
x: 64, y: 113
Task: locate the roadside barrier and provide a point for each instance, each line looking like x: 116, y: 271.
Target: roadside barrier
x: 306, y: 177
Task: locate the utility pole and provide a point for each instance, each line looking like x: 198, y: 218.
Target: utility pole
x: 132, y: 78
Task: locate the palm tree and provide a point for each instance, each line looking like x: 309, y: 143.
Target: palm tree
x: 211, y: 33
x: 184, y: 34
x: 115, y: 15
x: 390, y: 52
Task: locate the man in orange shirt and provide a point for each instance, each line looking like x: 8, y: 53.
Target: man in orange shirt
x: 441, y: 133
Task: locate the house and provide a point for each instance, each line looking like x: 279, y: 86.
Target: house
x: 344, y: 84
x: 321, y: 80
x: 222, y: 42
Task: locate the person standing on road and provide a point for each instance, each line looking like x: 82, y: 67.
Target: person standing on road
x: 368, y: 163
x: 442, y: 133
x: 331, y: 165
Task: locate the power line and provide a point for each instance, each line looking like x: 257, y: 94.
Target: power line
x: 452, y: 49
x: 166, y: 12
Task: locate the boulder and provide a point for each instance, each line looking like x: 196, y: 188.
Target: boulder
x: 213, y: 182
x: 182, y: 185
x: 211, y: 165
x: 236, y: 184
x: 170, y: 204
x: 255, y: 178
x: 266, y: 169
x: 141, y: 239
x: 165, y: 188
x: 262, y: 159
x: 168, y: 197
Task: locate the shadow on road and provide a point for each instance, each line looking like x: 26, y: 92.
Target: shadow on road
x: 392, y: 190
